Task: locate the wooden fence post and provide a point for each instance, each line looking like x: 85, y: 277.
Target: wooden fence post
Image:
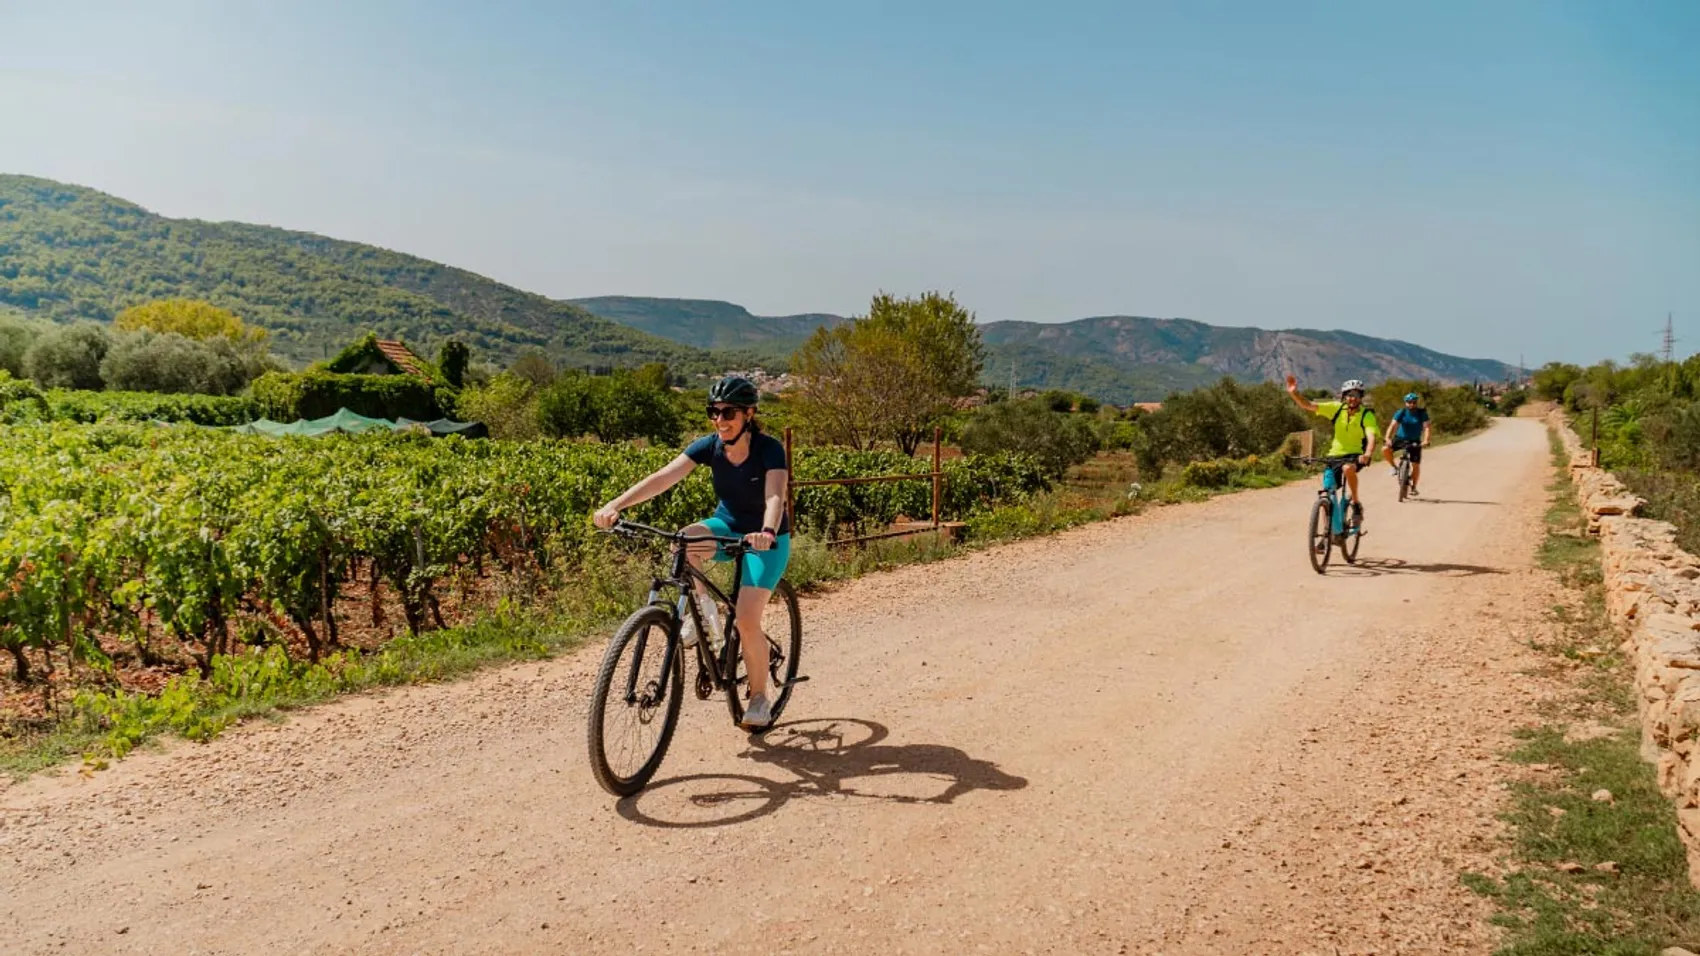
x: 790, y: 483
x: 938, y: 476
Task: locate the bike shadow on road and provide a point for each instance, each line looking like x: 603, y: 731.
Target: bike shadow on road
x: 819, y: 756
x: 1377, y: 567
x: 1449, y: 501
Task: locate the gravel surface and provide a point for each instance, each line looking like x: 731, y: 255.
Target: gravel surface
x: 1161, y: 734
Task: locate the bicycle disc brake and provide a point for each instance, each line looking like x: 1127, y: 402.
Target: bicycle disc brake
x: 705, y: 683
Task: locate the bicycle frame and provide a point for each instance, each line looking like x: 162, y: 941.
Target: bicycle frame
x: 681, y: 577
x: 1334, y: 489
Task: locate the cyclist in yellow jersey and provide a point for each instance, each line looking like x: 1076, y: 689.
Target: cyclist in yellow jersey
x: 1355, y: 431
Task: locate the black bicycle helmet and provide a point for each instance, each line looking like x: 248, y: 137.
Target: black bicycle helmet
x: 734, y: 390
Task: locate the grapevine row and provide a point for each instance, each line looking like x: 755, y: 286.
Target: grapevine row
x: 115, y: 532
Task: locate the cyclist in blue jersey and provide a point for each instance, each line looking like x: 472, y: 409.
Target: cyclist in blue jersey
x: 749, y: 474
x: 1410, y: 429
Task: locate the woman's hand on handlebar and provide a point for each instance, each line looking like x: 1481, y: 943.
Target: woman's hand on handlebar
x: 759, y: 540
x: 605, y: 517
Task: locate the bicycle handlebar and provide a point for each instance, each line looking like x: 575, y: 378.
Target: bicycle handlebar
x: 622, y: 526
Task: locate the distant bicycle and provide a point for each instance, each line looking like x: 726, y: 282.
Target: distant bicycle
x: 1403, y: 467
x: 1332, y: 524
x: 635, y: 705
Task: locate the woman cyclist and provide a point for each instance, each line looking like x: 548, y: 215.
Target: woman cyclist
x: 749, y: 478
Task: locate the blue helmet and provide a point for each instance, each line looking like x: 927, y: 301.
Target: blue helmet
x: 1411, y: 397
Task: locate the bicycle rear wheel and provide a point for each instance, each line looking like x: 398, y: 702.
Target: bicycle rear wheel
x: 784, y: 625
x: 635, y: 707
x: 1320, y: 541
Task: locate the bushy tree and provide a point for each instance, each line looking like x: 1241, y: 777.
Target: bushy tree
x: 452, y: 360
x: 1552, y: 379
x: 507, y: 405
x: 15, y: 338
x: 535, y: 367
x: 168, y: 362
x: 1030, y: 427
x: 615, y: 407
x: 190, y: 318
x: 1225, y: 420
x: 892, y: 374
x: 68, y: 356
x: 1452, y: 409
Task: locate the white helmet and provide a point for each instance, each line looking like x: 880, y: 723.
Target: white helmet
x: 1352, y: 385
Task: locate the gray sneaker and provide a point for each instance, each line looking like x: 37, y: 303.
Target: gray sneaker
x: 758, y: 714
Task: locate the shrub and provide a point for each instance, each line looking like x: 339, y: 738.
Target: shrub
x: 1225, y: 420
x: 616, y: 407
x: 20, y: 400
x: 452, y: 361
x: 90, y: 407
x: 168, y: 362
x: 68, y: 356
x: 287, y: 396
x: 1055, y: 440
x: 1216, y: 473
x: 507, y: 405
x: 1452, y: 410
x: 15, y: 339
x: 1249, y: 472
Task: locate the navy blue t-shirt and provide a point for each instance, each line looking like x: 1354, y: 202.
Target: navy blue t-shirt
x: 1411, y: 422
x: 742, y: 489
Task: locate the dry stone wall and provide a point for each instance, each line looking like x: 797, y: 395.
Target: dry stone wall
x: 1652, y: 592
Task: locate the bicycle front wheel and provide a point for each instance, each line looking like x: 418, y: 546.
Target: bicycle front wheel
x: 784, y: 625
x: 1404, y: 478
x: 1353, y: 536
x: 635, y: 706
x: 1320, y: 541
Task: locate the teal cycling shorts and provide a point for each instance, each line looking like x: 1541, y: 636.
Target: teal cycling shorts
x: 762, y: 569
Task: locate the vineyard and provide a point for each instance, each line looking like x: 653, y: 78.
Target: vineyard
x: 178, y: 544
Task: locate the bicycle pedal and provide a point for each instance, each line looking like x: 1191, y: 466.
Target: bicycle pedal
x: 798, y: 679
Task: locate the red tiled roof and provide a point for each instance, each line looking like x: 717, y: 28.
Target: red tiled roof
x: 403, y: 358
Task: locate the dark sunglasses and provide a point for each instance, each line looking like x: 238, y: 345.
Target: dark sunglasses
x: 723, y: 411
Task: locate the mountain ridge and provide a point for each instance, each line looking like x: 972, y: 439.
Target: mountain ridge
x: 1118, y: 358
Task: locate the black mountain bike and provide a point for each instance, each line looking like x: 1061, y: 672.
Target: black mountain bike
x: 1404, y: 468
x: 635, y: 706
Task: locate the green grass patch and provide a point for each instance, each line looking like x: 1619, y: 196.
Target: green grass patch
x: 1588, y: 741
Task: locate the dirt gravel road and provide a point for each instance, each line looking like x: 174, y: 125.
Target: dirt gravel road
x: 1162, y: 734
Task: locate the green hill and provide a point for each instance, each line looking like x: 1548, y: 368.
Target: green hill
x: 67, y: 252
x: 709, y: 323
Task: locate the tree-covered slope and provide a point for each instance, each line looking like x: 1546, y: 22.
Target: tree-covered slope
x: 67, y: 252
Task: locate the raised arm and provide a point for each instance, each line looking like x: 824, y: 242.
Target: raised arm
x: 1300, y: 400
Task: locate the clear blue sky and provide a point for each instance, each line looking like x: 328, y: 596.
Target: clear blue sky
x: 1487, y: 178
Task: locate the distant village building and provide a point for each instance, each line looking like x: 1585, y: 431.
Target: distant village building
x: 766, y: 381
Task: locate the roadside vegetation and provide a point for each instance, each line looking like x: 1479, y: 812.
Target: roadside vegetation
x: 1594, y: 862
x: 1644, y: 419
